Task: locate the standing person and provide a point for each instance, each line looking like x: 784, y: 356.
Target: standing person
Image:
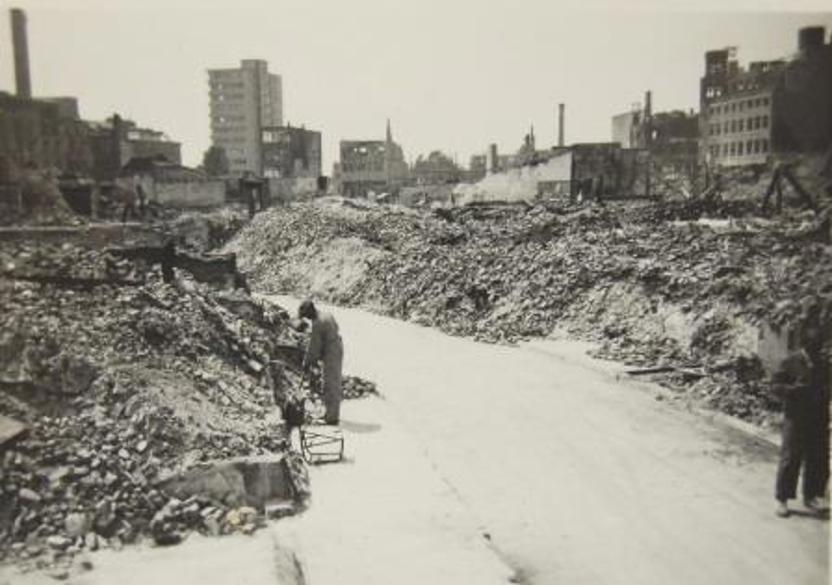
x: 325, y: 345
x: 803, y: 381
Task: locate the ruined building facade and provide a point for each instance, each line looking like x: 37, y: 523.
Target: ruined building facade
x: 41, y: 134
x: 117, y: 141
x: 770, y: 109
x: 244, y: 101
x: 370, y: 165
x: 671, y: 138
x: 290, y: 153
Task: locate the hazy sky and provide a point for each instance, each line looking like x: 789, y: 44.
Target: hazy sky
x: 451, y: 75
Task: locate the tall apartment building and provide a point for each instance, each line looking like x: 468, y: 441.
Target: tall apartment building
x: 770, y: 108
x: 243, y: 102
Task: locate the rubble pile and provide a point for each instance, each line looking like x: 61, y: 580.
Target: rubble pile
x: 355, y: 387
x: 120, y: 385
x: 202, y: 231
x: 680, y: 283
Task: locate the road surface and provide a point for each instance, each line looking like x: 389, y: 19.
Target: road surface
x: 578, y: 478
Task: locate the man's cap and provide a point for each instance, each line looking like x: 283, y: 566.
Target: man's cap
x: 307, y: 309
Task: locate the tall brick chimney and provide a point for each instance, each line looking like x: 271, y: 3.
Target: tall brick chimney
x: 560, y: 124
x: 21, y: 54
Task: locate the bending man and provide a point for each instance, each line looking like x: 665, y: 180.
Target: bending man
x: 325, y: 345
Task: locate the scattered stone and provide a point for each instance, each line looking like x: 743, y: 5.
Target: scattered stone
x: 60, y: 543
x: 77, y: 524
x: 28, y: 495
x: 91, y: 541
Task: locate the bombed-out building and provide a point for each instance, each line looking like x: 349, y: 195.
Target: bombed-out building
x: 751, y: 114
x: 290, y: 152
x: 370, y: 165
x: 38, y: 132
x: 42, y: 133
x: 671, y: 138
x: 115, y: 141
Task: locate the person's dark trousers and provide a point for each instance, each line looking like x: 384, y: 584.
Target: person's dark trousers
x: 816, y: 473
x: 805, y: 444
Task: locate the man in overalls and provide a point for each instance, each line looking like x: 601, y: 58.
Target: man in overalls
x: 325, y: 345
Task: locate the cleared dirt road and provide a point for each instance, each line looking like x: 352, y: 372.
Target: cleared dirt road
x: 579, y: 478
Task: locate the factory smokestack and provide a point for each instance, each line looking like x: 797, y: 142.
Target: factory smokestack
x: 21, y: 54
x: 560, y: 124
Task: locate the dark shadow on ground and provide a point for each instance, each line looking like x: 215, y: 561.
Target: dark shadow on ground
x: 359, y: 427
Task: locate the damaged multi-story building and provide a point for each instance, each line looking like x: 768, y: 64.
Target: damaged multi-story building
x: 244, y: 101
x: 770, y: 109
x: 116, y: 141
x: 38, y: 132
x: 47, y: 132
x: 291, y: 152
x: 370, y: 165
x: 42, y: 133
x: 671, y: 138
x: 291, y: 161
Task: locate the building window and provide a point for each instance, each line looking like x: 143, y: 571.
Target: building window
x: 739, y: 149
x: 748, y: 147
x: 765, y: 121
x: 733, y: 125
x: 764, y: 145
x: 739, y: 125
x: 725, y: 128
x: 733, y: 149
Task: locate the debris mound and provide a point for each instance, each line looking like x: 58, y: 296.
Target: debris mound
x: 122, y: 380
x: 681, y: 283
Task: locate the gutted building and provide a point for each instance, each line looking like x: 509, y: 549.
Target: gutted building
x: 43, y: 133
x: 115, y: 141
x: 290, y: 152
x: 370, y: 165
x: 769, y: 109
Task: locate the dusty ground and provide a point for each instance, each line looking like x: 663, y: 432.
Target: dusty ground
x: 578, y: 478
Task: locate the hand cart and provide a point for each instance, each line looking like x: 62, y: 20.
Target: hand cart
x: 319, y: 442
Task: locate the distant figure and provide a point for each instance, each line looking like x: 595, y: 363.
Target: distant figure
x: 127, y: 198
x: 325, y: 345
x: 803, y: 382
x: 142, y: 199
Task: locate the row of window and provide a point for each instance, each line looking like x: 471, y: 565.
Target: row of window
x: 226, y: 85
x: 738, y: 106
x: 754, y: 123
x: 739, y: 148
x: 228, y: 118
x: 223, y: 97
